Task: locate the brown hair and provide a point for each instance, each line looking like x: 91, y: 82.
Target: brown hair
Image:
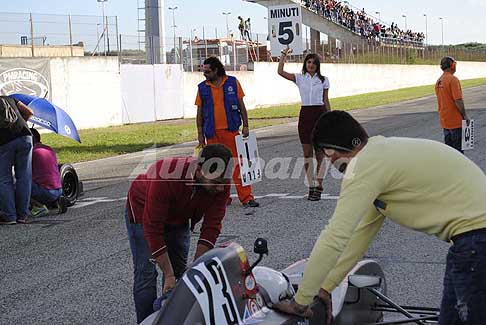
x: 317, y: 61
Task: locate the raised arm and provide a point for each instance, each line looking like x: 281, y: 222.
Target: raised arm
x: 281, y: 63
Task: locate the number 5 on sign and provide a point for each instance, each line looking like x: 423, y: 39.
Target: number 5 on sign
x: 248, y: 159
x: 467, y: 135
x: 285, y: 28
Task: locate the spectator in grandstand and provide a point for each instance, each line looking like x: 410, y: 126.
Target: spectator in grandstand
x: 359, y: 22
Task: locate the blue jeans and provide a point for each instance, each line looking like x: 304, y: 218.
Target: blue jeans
x: 453, y: 138
x: 177, y: 239
x: 15, y: 199
x: 43, y: 195
x: 464, y: 296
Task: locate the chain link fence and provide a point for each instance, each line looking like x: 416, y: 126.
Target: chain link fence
x: 238, y: 54
x: 67, y: 35
x: 90, y: 35
x: 234, y: 53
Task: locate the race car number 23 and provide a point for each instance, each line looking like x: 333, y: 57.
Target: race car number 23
x: 209, y: 284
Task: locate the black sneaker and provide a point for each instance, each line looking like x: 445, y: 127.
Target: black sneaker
x: 314, y: 194
x: 251, y: 204
x: 5, y: 221
x: 62, y: 204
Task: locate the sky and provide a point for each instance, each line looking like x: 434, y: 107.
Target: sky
x: 464, y: 21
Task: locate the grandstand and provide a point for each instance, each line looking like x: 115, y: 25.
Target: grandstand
x: 360, y: 22
x: 341, y: 21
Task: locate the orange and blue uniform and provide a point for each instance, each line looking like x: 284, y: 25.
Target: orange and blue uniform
x: 222, y: 120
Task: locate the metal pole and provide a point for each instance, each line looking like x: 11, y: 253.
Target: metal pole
x: 104, y: 26
x: 71, y: 36
x: 258, y: 49
x: 426, y: 32
x: 32, y: 35
x: 107, y: 35
x: 190, y: 50
x: 306, y: 39
x: 442, y: 28
x: 174, y: 26
x: 118, y: 47
x: 205, y: 44
x: 234, y: 55
x: 227, y: 13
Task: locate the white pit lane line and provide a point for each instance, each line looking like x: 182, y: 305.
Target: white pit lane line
x: 95, y: 200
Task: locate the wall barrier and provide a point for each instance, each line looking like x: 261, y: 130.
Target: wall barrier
x: 99, y: 92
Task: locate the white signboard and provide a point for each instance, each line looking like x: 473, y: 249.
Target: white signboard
x: 285, y: 28
x: 467, y: 135
x: 248, y: 159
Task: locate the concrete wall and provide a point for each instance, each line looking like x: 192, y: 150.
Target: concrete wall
x: 88, y: 89
x: 96, y: 92
x: 264, y: 87
x: 152, y: 92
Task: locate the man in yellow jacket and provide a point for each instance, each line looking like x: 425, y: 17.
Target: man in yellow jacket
x: 420, y: 184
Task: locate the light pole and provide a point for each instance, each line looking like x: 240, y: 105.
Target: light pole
x: 442, y: 26
x: 190, y: 50
x: 405, y: 17
x: 174, y: 26
x: 104, y: 24
x: 227, y: 13
x: 426, y: 33
x: 379, y: 15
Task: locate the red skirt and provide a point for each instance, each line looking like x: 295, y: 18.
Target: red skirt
x: 307, y: 119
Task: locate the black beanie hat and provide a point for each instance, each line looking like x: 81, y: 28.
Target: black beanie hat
x: 338, y: 130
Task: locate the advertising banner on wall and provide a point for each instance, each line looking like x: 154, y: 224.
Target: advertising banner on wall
x: 25, y: 76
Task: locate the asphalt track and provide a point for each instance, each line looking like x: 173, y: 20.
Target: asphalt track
x: 76, y: 268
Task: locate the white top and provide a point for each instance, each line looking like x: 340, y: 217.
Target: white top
x: 311, y: 88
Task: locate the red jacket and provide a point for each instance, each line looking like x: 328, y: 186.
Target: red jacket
x: 167, y: 194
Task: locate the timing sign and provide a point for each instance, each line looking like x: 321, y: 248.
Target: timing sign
x: 467, y: 135
x: 285, y: 28
x: 248, y: 159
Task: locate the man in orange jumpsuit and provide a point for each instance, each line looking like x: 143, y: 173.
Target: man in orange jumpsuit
x: 220, y: 113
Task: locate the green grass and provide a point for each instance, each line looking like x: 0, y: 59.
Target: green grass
x: 116, y: 140
x: 360, y: 101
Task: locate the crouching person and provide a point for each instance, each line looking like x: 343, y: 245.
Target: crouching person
x: 163, y: 205
x: 46, y: 180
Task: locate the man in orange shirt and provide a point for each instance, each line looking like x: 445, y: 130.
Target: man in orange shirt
x: 451, y: 104
x: 220, y: 111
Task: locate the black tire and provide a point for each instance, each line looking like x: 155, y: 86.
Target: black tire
x: 70, y: 183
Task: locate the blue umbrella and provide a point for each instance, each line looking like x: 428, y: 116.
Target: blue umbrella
x: 49, y: 116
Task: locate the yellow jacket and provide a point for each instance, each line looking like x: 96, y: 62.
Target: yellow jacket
x: 420, y: 184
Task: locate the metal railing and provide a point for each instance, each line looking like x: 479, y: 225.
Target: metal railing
x: 96, y: 35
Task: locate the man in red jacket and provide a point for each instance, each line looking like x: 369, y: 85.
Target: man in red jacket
x: 163, y: 205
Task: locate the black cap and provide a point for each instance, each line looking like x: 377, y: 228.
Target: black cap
x: 338, y: 130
